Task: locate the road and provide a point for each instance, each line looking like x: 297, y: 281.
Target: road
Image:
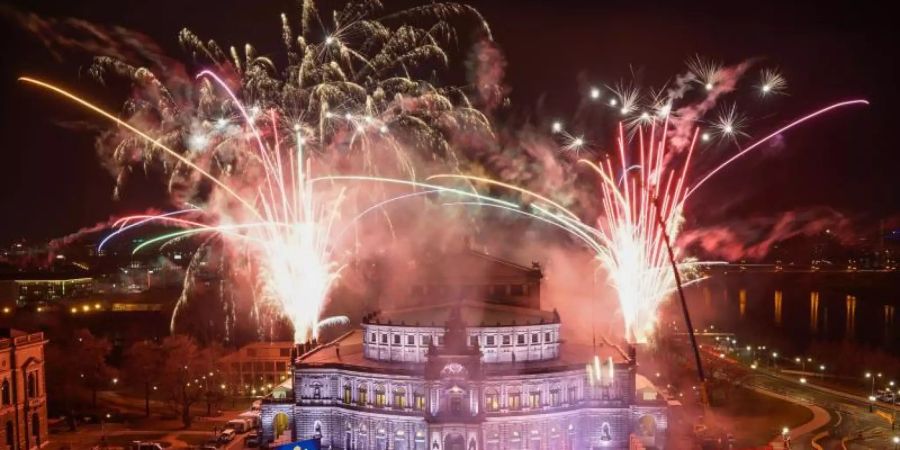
x: 850, y: 421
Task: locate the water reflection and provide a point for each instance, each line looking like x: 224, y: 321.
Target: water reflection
x: 814, y: 312
x: 777, y: 307
x: 850, y: 327
x: 789, y: 309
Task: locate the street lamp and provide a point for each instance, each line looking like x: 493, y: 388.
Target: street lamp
x: 869, y: 375
x: 802, y: 380
x: 822, y: 371
x: 871, y: 403
x: 774, y: 360
x: 896, y: 441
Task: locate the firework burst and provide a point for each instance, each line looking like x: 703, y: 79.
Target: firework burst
x: 771, y: 82
x: 351, y: 95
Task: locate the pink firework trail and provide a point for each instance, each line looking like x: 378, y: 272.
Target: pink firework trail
x: 643, y: 191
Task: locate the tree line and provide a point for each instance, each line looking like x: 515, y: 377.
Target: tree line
x: 175, y: 371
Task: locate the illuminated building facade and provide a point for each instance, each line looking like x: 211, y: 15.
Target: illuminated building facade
x: 257, y: 367
x: 23, y: 399
x: 20, y: 289
x: 465, y: 374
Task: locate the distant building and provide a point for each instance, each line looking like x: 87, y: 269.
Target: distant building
x: 478, y: 366
x: 257, y: 367
x: 21, y: 289
x: 23, y: 399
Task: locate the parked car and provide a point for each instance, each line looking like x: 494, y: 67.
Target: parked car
x: 227, y: 435
x: 252, y: 440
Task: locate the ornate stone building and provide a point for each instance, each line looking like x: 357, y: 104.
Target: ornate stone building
x: 23, y: 400
x: 467, y: 373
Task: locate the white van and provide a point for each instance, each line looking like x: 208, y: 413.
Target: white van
x: 226, y: 436
x: 252, y: 417
x: 238, y: 425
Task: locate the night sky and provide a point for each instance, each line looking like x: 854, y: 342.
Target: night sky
x: 53, y: 184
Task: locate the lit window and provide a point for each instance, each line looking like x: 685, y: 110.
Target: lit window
x: 363, y: 396
x: 399, y: 398
x: 379, y: 396
x: 347, y: 394
x: 419, y: 400
x: 491, y: 401
x: 534, y: 400
x: 515, y: 400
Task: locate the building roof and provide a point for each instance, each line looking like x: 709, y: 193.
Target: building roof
x: 347, y: 352
x: 472, y: 313
x: 44, y: 276
x: 268, y: 351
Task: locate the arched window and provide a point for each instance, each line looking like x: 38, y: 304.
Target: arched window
x: 10, y: 437
x: 362, y: 396
x: 317, y: 429
x: 379, y: 396
x: 605, y: 434
x: 491, y: 400
x: 514, y: 400
x: 32, y: 385
x: 5, y: 392
x: 419, y: 401
x: 347, y: 394
x: 399, y: 398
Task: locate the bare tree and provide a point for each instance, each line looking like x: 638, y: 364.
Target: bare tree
x: 181, y: 374
x: 88, y: 358
x: 142, y: 366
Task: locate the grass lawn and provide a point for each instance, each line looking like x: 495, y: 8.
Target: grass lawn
x: 755, y: 418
